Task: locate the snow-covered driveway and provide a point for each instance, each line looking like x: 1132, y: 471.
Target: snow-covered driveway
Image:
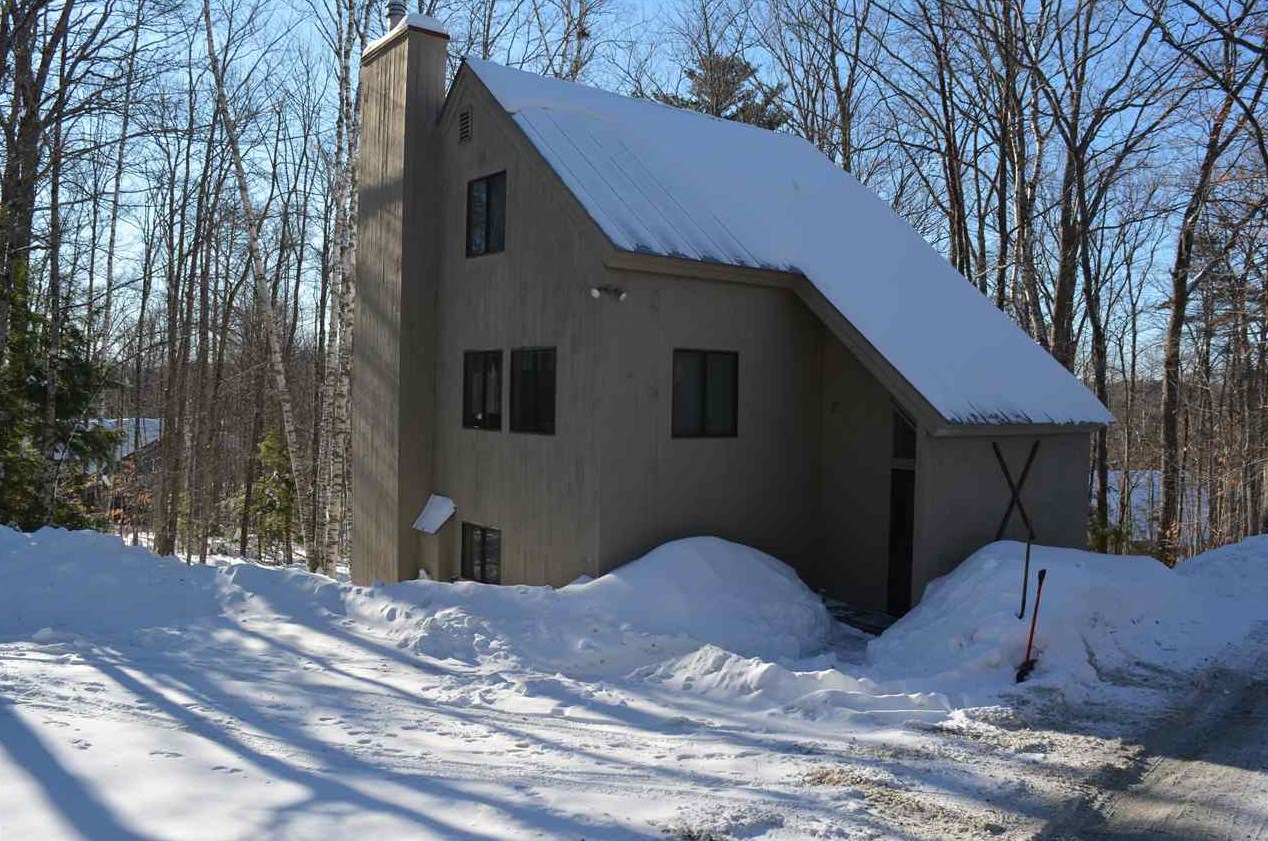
x: 1206, y: 774
x: 140, y: 698
x: 280, y: 729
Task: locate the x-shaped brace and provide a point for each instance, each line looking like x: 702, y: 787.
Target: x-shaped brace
x: 1014, y: 500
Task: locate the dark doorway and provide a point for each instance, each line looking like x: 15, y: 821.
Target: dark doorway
x: 902, y: 513
x: 481, y: 554
x: 902, y: 518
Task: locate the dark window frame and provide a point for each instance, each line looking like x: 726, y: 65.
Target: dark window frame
x: 472, y: 420
x: 903, y: 438
x: 493, y: 233
x: 475, y: 562
x: 703, y: 429
x: 538, y: 423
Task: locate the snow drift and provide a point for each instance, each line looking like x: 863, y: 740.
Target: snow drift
x: 678, y: 597
x: 1100, y: 614
x: 683, y: 595
x: 723, y: 622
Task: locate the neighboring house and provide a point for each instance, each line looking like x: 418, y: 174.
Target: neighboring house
x: 131, y: 477
x: 589, y: 324
x: 121, y: 486
x: 136, y: 434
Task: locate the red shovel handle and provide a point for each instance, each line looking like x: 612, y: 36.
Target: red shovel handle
x: 1034, y: 614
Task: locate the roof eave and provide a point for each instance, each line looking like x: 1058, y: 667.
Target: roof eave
x: 1015, y: 429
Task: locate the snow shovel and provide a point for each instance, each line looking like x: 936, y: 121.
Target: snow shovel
x: 1028, y: 665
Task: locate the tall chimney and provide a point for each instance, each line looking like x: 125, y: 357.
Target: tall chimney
x: 393, y: 364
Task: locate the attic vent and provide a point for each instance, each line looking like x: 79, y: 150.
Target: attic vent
x: 464, y: 126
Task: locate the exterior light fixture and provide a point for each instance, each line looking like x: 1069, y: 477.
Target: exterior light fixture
x: 614, y: 292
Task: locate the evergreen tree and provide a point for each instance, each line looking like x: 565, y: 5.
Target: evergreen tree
x: 49, y: 470
x: 274, y: 503
x: 727, y: 86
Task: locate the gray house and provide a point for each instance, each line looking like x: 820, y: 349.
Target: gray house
x: 588, y: 324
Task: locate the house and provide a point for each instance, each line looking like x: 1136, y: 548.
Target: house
x: 589, y: 324
x: 132, y: 474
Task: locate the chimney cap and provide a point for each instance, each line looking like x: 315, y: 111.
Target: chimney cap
x: 396, y: 11
x: 414, y: 20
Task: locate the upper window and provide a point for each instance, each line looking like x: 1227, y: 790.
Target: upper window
x: 486, y: 215
x: 706, y: 390
x: 904, y: 437
x: 482, y: 389
x: 533, y: 390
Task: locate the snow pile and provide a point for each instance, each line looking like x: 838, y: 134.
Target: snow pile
x: 682, y: 595
x: 723, y: 622
x: 83, y: 582
x: 679, y: 597
x: 812, y: 689
x: 1100, y: 614
x: 716, y: 592
x: 1234, y: 581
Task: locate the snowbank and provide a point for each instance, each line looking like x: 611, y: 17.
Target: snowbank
x: 814, y: 692
x: 704, y: 616
x: 716, y: 592
x: 682, y: 595
x: 85, y: 582
x: 685, y: 594
x: 1099, y: 614
x: 723, y: 622
x: 1234, y: 581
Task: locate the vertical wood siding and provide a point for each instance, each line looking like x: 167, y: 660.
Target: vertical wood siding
x: 540, y: 490
x: 392, y: 386
x: 760, y: 487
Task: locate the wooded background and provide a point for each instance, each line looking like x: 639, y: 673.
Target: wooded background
x: 178, y: 238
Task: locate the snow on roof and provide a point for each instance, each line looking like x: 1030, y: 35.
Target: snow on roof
x: 151, y: 429
x: 414, y: 20
x: 435, y: 513
x: 664, y: 181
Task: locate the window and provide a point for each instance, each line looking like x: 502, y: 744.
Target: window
x: 464, y: 125
x: 481, y: 553
x: 486, y: 215
x: 706, y: 391
x: 533, y: 390
x: 482, y: 389
x: 904, y: 437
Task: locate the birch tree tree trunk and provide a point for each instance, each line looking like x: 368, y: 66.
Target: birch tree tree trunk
x: 272, y: 333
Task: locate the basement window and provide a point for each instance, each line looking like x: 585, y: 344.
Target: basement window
x: 533, y: 390
x: 482, y: 389
x: 486, y: 215
x: 481, y: 553
x: 706, y: 393
x: 464, y: 126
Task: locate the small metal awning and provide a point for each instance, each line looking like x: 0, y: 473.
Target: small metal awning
x: 435, y: 514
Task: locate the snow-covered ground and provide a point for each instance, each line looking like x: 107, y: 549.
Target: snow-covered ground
x: 700, y: 692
